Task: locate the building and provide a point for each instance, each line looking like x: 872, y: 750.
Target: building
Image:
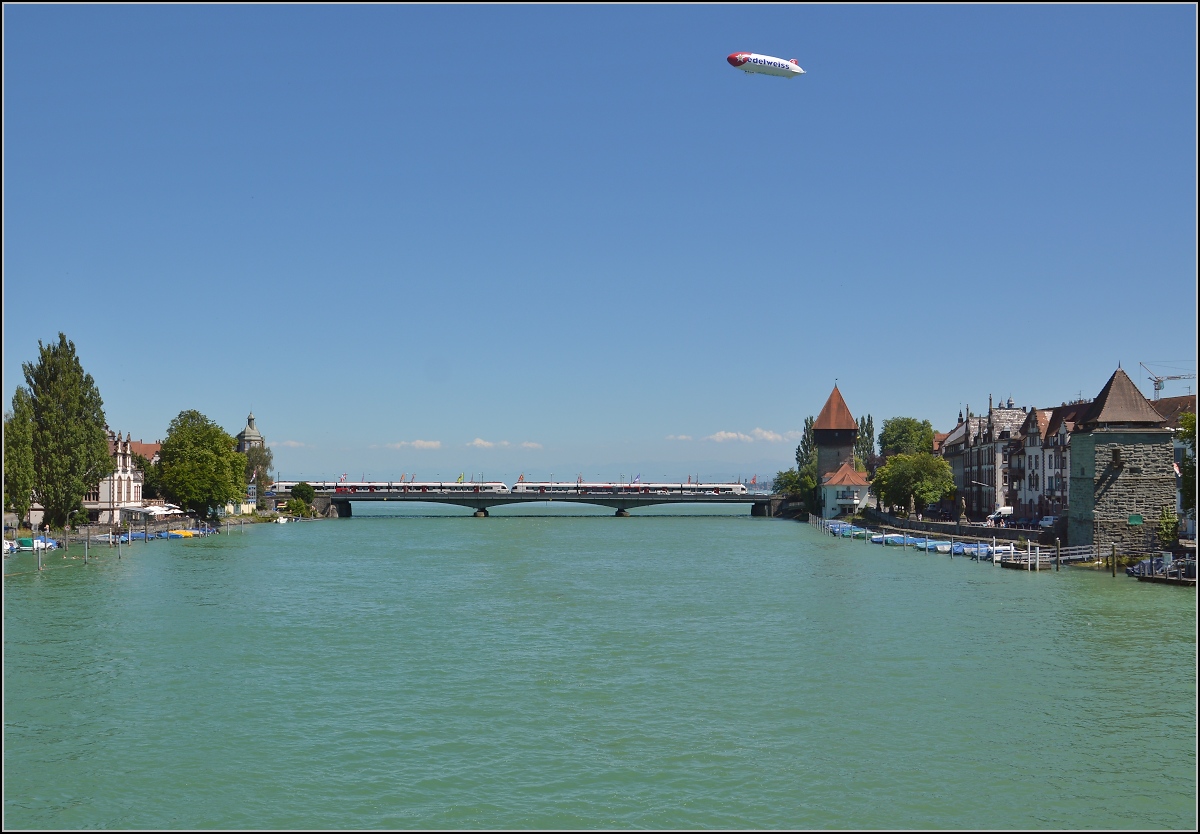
x: 1122, y: 470
x: 1171, y: 408
x: 1056, y: 457
x: 953, y: 449
x: 1027, y: 474
x: 844, y: 492
x: 121, y: 490
x: 977, y: 450
x: 249, y: 437
x: 834, y: 432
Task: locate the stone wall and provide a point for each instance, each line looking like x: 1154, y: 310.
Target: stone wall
x: 952, y: 530
x: 1116, y: 473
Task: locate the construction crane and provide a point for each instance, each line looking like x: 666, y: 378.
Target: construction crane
x: 1159, y: 380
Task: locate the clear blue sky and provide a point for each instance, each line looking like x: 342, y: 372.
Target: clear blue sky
x: 579, y: 228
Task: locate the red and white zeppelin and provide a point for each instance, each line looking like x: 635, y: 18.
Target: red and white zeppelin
x: 765, y: 64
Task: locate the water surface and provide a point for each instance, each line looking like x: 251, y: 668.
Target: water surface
x: 557, y: 667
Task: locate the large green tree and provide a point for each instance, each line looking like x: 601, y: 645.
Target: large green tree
x: 259, y: 461
x: 905, y: 436
x: 199, y: 467
x: 70, y: 446
x: 924, y: 478
x: 18, y: 455
x: 1187, y: 434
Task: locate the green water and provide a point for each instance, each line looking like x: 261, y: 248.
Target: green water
x: 573, y: 670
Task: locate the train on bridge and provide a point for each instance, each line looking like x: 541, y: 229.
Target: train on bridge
x: 522, y: 488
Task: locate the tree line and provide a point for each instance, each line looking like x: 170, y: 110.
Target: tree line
x: 56, y: 448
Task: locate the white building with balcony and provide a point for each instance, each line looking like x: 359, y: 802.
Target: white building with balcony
x: 843, y: 491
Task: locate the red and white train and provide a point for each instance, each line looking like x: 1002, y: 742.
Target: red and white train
x: 520, y: 488
x: 583, y: 488
x: 358, y: 487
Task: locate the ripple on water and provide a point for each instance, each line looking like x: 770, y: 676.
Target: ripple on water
x: 583, y: 672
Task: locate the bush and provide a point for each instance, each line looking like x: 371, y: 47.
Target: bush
x: 304, y: 491
x: 298, y: 508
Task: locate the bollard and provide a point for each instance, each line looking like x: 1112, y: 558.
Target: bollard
x: 994, y: 554
x: 1114, y: 560
x: 85, y: 550
x: 1057, y: 553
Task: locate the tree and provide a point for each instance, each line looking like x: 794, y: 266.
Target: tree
x: 786, y: 483
x: 864, y: 445
x: 810, y: 484
x: 304, y: 491
x: 151, y: 486
x: 298, y: 508
x: 905, y: 436
x: 259, y: 461
x: 18, y: 455
x: 807, y: 450
x: 1168, y: 528
x: 1187, y: 435
x: 199, y: 468
x: 69, y: 439
x: 919, y: 479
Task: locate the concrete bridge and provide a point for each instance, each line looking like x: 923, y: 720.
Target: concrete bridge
x: 338, y: 504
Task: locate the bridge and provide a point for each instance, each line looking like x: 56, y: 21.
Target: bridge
x: 337, y: 503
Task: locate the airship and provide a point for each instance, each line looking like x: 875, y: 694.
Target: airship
x: 765, y: 64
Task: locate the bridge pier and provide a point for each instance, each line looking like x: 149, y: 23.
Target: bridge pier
x: 481, y: 513
x: 622, y: 513
x: 340, y: 509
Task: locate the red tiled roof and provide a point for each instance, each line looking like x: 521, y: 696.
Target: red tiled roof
x: 1171, y: 407
x: 146, y: 450
x: 846, y: 475
x: 835, y: 414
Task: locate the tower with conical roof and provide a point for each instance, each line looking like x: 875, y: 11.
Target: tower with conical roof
x: 834, y: 433
x: 1122, y: 470
x: 249, y: 437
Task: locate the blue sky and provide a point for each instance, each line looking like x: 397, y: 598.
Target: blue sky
x: 578, y: 235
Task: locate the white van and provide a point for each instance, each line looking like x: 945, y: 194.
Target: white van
x: 1003, y: 512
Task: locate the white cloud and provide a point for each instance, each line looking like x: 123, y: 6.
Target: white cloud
x: 416, y: 444
x: 679, y: 437
x: 793, y: 435
x: 291, y: 444
x: 480, y: 443
x: 764, y: 434
x: 529, y: 444
x: 723, y: 436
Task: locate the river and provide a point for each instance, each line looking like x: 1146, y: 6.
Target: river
x: 556, y: 667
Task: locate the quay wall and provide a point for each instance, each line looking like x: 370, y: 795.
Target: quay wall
x: 951, y: 530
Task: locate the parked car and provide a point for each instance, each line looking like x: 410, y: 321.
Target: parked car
x: 1048, y: 521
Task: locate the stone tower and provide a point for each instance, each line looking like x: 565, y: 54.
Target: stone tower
x: 1122, y: 466
x: 249, y: 437
x: 834, y: 432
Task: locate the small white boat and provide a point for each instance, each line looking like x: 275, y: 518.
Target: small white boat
x: 281, y: 520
